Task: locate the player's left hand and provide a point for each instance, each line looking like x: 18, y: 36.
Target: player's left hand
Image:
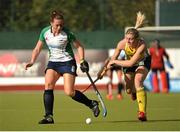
x: 110, y: 64
x: 27, y: 65
x: 169, y: 64
x: 84, y: 66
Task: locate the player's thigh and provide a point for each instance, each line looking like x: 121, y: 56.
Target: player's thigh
x: 129, y: 79
x: 51, y: 77
x: 109, y: 73
x: 69, y: 81
x: 140, y: 76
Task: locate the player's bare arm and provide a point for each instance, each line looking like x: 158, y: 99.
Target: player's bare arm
x: 79, y: 48
x: 120, y: 46
x: 35, y: 53
x: 166, y: 54
x: 136, y: 57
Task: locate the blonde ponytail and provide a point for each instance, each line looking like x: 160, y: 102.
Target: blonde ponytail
x: 140, y: 20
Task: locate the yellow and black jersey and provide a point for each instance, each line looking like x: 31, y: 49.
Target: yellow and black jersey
x: 129, y: 51
x: 144, y: 60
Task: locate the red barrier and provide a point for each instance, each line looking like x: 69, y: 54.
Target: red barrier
x: 41, y: 87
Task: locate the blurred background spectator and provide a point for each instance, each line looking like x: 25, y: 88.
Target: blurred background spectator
x: 158, y: 53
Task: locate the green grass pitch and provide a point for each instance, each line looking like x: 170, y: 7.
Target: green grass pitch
x: 22, y: 111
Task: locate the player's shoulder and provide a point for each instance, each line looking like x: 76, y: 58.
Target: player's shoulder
x: 151, y: 49
x: 162, y: 49
x: 142, y: 41
x: 69, y: 33
x: 66, y: 30
x: 121, y: 44
x: 45, y: 29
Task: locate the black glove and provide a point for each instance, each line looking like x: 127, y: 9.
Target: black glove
x: 169, y: 64
x: 84, y: 66
x: 115, y: 66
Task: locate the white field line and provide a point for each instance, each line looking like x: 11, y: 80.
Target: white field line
x: 40, y: 81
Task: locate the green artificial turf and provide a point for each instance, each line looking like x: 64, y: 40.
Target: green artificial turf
x: 21, y: 110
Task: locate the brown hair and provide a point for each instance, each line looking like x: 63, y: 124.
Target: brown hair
x: 134, y: 32
x: 56, y: 15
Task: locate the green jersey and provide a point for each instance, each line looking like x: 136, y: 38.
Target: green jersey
x: 59, y: 46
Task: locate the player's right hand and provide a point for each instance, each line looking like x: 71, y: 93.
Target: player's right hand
x: 27, y: 65
x: 104, y: 69
x: 102, y: 72
x: 84, y: 66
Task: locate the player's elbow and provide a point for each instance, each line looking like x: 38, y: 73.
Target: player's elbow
x: 131, y: 63
x: 37, y: 50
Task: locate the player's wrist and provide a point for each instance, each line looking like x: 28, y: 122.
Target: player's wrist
x: 82, y: 60
x: 32, y: 61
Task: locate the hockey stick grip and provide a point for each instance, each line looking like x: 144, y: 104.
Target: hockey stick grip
x: 103, y: 69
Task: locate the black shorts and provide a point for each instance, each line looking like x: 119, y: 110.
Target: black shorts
x: 116, y: 68
x: 146, y: 63
x: 63, y: 67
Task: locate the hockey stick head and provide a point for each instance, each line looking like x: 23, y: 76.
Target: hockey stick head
x: 98, y: 94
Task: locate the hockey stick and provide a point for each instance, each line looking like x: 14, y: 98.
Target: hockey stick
x: 98, y: 94
x: 100, y: 74
x: 90, y: 85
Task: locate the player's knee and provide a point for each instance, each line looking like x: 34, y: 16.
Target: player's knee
x: 70, y: 93
x: 138, y: 82
x: 49, y: 85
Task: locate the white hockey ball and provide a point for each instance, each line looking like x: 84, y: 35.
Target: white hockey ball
x: 88, y: 121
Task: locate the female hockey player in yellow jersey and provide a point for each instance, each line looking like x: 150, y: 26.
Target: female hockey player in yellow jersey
x: 136, y: 65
